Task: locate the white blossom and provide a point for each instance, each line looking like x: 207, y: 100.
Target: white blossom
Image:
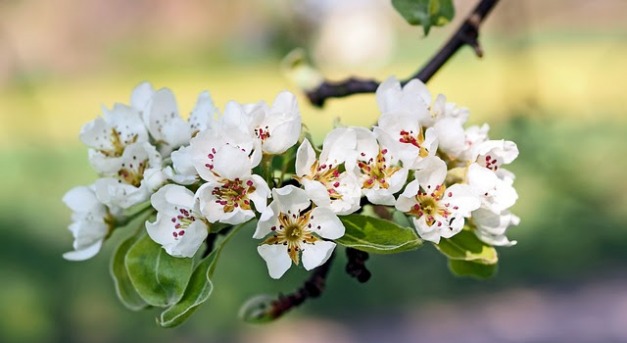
x: 229, y: 195
x: 179, y: 227
x: 437, y: 210
x: 324, y: 183
x: 491, y: 226
x: 134, y: 176
x: 166, y: 127
x: 109, y: 135
x: 404, y: 136
x: 275, y: 128
x: 492, y: 154
x: 92, y: 222
x: 205, y: 146
x: 378, y: 170
x: 496, y: 194
x: 291, y: 228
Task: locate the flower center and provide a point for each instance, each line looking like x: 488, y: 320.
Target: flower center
x: 118, y: 144
x: 262, y: 133
x: 376, y: 172
x: 490, y: 162
x: 181, y: 222
x: 133, y: 174
x: 429, y: 204
x: 233, y: 194
x: 409, y: 137
x: 328, y: 175
x: 294, y: 231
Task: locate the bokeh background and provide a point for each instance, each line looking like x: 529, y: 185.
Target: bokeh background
x: 553, y: 80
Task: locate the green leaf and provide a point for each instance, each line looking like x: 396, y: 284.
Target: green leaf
x: 159, y: 278
x: 425, y: 12
x: 377, y: 236
x: 198, y: 289
x: 123, y: 286
x: 472, y: 269
x: 465, y: 246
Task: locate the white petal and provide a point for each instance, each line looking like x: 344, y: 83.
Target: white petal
x: 83, y: 254
x: 388, y: 93
x: 290, y: 198
x: 426, y: 232
x: 261, y: 194
x: 462, y: 197
x: 188, y: 244
x: 316, y: 254
x: 317, y: 192
x: 338, y: 145
x: 268, y: 219
x: 283, y: 136
x: 204, y: 113
x: 450, y: 135
x: 305, y: 158
x: 141, y: 96
x: 431, y: 172
x: 456, y: 225
x: 379, y: 196
x: 81, y: 199
x: 276, y: 257
x: 326, y: 224
x: 231, y: 163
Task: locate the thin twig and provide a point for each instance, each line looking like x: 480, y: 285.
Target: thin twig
x: 313, y: 288
x: 466, y: 34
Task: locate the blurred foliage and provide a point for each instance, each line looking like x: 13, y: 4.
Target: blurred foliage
x: 554, y: 93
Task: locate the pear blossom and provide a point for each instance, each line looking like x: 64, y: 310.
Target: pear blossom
x: 109, y: 135
x: 292, y: 228
x: 229, y: 195
x: 406, y: 138
x: 437, y: 210
x: 134, y: 176
x: 275, y: 128
x: 179, y: 227
x: 324, y: 183
x: 92, y: 222
x: 378, y: 170
x: 491, y: 226
x: 161, y: 116
x: 496, y: 194
x: 205, y: 146
x: 411, y: 100
x: 494, y: 153
x: 474, y: 136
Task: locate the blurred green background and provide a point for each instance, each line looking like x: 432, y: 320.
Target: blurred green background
x: 552, y: 80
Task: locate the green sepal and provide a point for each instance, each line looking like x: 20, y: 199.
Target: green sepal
x: 198, y: 289
x: 378, y: 236
x: 158, y: 278
x: 425, y: 12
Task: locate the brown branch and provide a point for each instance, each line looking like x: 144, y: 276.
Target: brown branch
x: 313, y: 288
x: 466, y: 34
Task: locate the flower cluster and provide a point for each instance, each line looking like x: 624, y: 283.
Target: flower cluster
x: 219, y: 169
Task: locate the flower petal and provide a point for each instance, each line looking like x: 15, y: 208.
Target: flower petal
x: 276, y: 257
x: 316, y: 254
x: 326, y: 224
